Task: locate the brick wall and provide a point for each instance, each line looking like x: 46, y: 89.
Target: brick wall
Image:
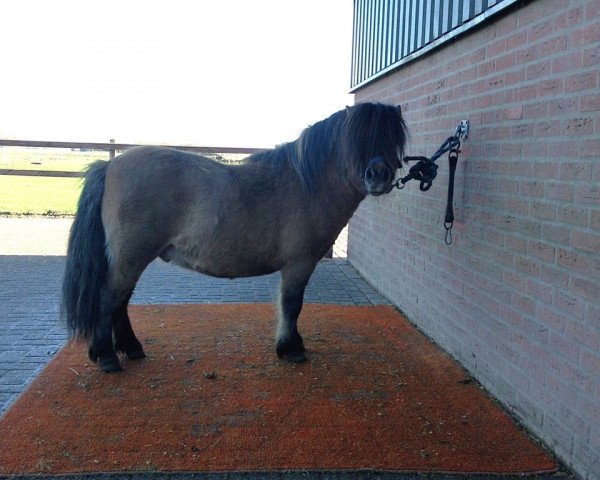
x: 516, y: 298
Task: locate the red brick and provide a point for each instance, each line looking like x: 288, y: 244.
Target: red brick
x: 560, y: 191
x: 516, y: 244
x: 585, y: 241
x: 556, y: 234
x: 511, y: 150
x: 504, y: 258
x: 550, y: 318
x: 581, y: 81
x: 592, y: 9
x: 506, y: 61
x: 541, y: 250
x: 486, y: 68
x: 543, y: 210
x: 540, y: 292
x: 590, y: 103
x: 589, y: 289
x: 533, y: 148
x: 569, y: 304
x: 516, y: 40
x: 576, y: 171
x: 494, y: 82
x: 584, y: 334
x: 564, y: 346
x: 580, y: 126
x: 535, y: 110
x: 574, y: 261
x: 539, y: 70
x: 554, y: 276
x: 541, y: 30
x: 591, y: 362
x: 568, y: 62
x: 551, y: 128
x: 522, y: 93
x: 512, y: 113
x: 595, y: 219
x: 527, y: 54
x: 553, y: 45
x: 529, y: 227
x: 589, y: 195
x: 570, y: 18
x: 573, y: 421
x: 527, y: 265
x: 514, y: 279
x: 584, y: 36
x: 524, y: 304
x: 561, y: 106
x: 523, y: 130
x: 592, y: 316
x: 591, y: 56
x: 590, y: 148
x: 573, y: 214
x: 468, y: 74
x: 550, y: 87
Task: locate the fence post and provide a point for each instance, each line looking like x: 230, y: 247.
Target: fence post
x: 111, y: 152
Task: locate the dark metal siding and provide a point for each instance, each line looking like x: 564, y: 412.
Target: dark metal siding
x: 386, y: 32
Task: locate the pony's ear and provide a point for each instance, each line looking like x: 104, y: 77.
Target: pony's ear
x: 399, y: 109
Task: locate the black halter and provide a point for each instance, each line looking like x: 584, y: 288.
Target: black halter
x: 425, y: 170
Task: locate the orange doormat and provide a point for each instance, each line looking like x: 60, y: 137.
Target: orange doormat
x: 212, y: 396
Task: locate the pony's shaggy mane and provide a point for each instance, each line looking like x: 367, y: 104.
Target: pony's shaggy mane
x: 309, y: 154
x: 357, y: 133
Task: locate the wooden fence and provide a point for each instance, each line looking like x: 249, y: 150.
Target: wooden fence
x: 110, y: 147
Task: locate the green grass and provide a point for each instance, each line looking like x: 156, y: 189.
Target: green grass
x: 23, y: 195
x: 38, y: 195
x: 52, y: 159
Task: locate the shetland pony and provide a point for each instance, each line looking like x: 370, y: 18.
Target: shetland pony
x: 280, y: 210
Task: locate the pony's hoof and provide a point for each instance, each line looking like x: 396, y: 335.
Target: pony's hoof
x: 110, y: 364
x: 297, y: 357
x: 133, y: 352
x: 291, y: 351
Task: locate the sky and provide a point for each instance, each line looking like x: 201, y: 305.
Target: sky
x: 243, y: 73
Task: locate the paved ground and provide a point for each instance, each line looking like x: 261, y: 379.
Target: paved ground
x: 31, y: 266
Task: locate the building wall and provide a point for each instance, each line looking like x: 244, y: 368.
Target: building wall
x: 516, y: 297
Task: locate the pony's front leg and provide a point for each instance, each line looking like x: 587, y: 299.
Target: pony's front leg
x: 291, y: 296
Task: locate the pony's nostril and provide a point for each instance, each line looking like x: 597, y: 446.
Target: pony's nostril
x: 370, y: 174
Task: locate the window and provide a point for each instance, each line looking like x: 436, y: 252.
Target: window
x: 389, y: 33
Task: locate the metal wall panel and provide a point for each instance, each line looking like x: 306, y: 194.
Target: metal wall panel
x: 386, y: 32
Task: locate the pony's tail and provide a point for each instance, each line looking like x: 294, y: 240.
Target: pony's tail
x: 87, y: 263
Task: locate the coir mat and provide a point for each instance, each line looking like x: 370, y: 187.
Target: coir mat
x: 212, y: 396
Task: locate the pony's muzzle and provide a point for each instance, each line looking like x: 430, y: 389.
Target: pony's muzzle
x: 377, y: 177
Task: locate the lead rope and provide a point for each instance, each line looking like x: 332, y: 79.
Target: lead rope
x: 425, y: 170
x: 449, y: 218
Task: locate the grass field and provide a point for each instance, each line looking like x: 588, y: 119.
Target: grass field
x: 23, y: 195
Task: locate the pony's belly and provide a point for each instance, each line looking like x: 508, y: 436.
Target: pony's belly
x: 222, y: 266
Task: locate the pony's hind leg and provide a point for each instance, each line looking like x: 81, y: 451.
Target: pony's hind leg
x: 291, y: 296
x: 125, y: 340
x: 101, y: 348
x: 116, y: 292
